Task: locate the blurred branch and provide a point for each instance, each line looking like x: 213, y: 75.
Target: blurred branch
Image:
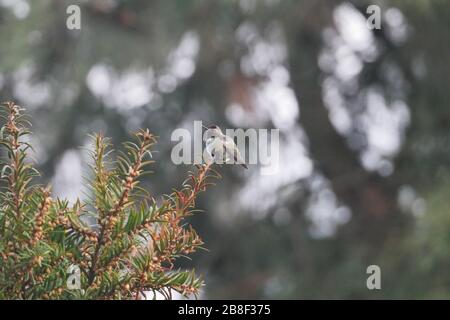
x: 371, y: 198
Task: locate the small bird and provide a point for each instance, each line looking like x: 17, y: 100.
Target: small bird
x: 222, y: 147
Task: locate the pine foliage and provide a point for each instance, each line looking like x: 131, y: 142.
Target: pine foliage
x: 119, y: 243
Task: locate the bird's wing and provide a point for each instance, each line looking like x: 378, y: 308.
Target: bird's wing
x: 233, y: 152
x: 215, y: 148
x: 228, y: 144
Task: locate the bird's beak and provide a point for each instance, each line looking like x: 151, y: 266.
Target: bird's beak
x: 205, y: 127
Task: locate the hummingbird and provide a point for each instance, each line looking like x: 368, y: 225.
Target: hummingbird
x: 220, y: 146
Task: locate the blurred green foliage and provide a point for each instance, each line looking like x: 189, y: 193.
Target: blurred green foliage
x: 79, y: 81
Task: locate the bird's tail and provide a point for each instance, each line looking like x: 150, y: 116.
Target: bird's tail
x: 239, y: 160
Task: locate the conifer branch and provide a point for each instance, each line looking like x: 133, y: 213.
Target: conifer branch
x: 130, y: 249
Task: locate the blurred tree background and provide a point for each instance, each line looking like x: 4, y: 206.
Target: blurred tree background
x: 364, y: 121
